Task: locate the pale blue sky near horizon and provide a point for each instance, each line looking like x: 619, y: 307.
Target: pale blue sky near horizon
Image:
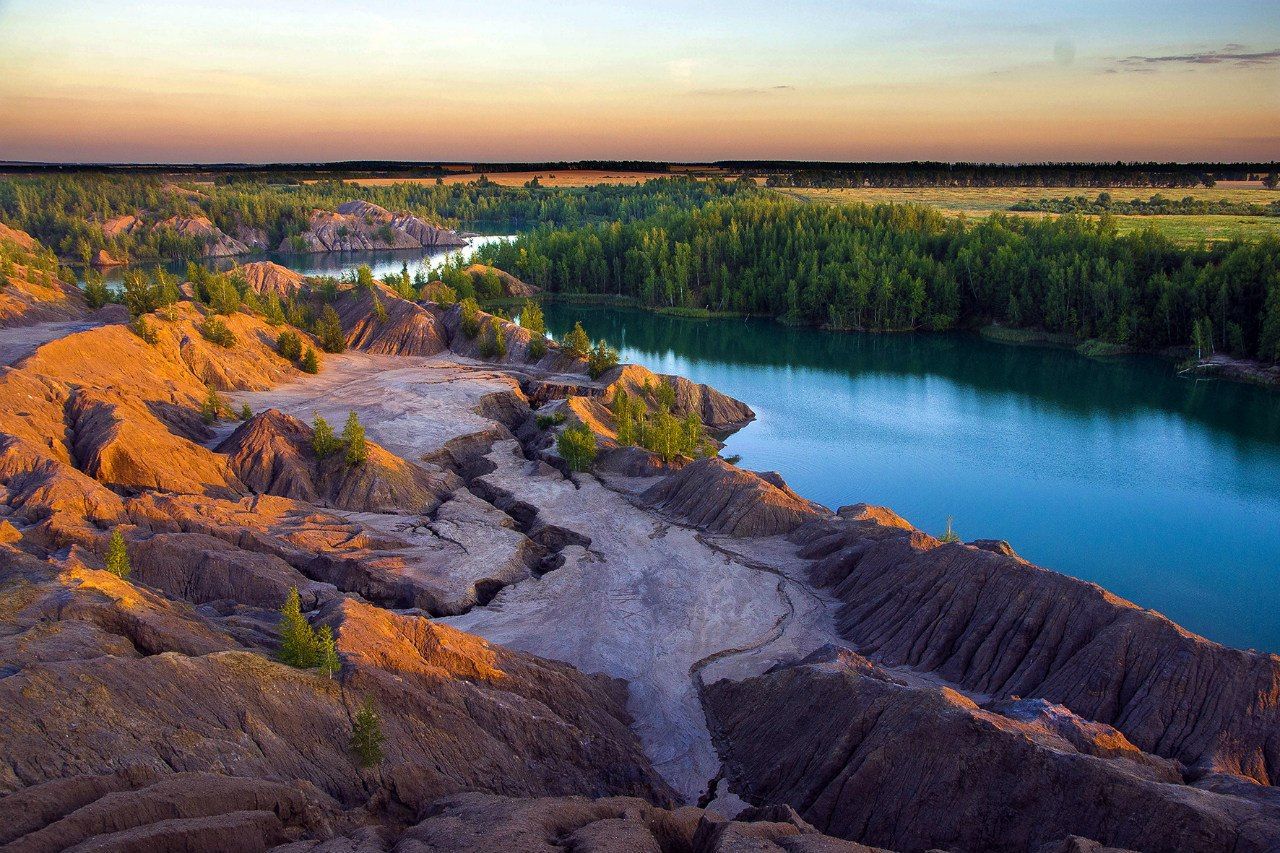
x: 291, y: 80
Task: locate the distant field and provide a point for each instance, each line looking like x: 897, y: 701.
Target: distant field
x: 980, y: 201
x: 548, y: 178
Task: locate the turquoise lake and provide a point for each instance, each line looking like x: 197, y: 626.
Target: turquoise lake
x: 1164, y: 490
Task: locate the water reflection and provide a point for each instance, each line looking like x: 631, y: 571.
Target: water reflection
x: 1165, y: 490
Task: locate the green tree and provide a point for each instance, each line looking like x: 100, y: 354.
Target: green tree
x: 289, y: 345
x: 664, y: 435
x: 470, y: 317
x: 245, y: 412
x: 142, y: 327
x: 96, y: 293
x: 211, y: 408
x: 366, y: 735
x: 223, y: 297
x: 323, y: 440
x: 601, y: 358
x: 531, y: 318
x: 118, y: 555
x: 693, y: 434
x: 310, y: 363
x: 329, y: 331
x: 577, y: 343
x: 364, y: 276
x: 624, y: 417
x: 298, y: 642
x: 216, y: 331
x: 577, y: 446
x: 353, y: 438
x: 494, y: 343
x: 665, y: 395
x: 272, y: 311
x: 327, y: 651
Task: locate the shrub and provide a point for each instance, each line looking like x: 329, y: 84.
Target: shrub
x: 624, y: 418
x: 223, y: 296
x: 531, y: 318
x: 118, y: 555
x: 310, y: 363
x: 577, y: 445
x: 445, y: 295
x: 143, y: 329
x: 216, y: 331
x: 327, y: 652
x: 212, y: 407
x: 96, y: 293
x: 272, y: 311
x: 576, y: 342
x: 950, y: 535
x: 548, y: 421
x: 494, y: 344
x: 353, y: 438
x: 245, y: 412
x: 470, y: 322
x: 289, y: 345
x: 323, y: 440
x: 299, y: 645
x: 329, y: 331
x: 489, y: 285
x: 601, y: 358
x: 366, y: 735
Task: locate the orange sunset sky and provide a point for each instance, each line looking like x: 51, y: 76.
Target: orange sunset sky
x: 293, y: 81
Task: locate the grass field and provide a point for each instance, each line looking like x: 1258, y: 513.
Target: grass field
x: 981, y: 201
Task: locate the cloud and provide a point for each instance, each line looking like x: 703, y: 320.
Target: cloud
x: 1230, y: 54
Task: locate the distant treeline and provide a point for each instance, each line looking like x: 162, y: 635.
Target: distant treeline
x: 895, y: 267
x: 926, y: 174
x: 1157, y: 205
x: 66, y: 212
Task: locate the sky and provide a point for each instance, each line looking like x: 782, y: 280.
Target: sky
x: 505, y: 80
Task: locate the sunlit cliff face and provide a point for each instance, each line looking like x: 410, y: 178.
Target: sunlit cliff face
x: 821, y: 80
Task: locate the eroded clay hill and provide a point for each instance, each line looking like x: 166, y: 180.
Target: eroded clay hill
x: 364, y: 226
x: 665, y: 657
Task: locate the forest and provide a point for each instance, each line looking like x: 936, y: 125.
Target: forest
x: 66, y: 212
x: 904, y: 267
x: 926, y: 174
x: 1157, y: 205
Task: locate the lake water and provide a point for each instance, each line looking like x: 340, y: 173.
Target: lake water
x: 1163, y: 490
x: 333, y: 263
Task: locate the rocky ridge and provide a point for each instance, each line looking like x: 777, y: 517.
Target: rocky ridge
x: 611, y: 648
x: 358, y: 226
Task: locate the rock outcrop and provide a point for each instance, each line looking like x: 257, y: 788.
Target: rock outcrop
x: 713, y: 495
x: 108, y: 693
x: 270, y: 279
x: 362, y: 226
x: 719, y: 412
x: 863, y: 755
x: 998, y: 625
x: 408, y: 328
x: 272, y: 454
x: 31, y: 291
x: 217, y: 243
x: 512, y: 287
x: 479, y: 823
